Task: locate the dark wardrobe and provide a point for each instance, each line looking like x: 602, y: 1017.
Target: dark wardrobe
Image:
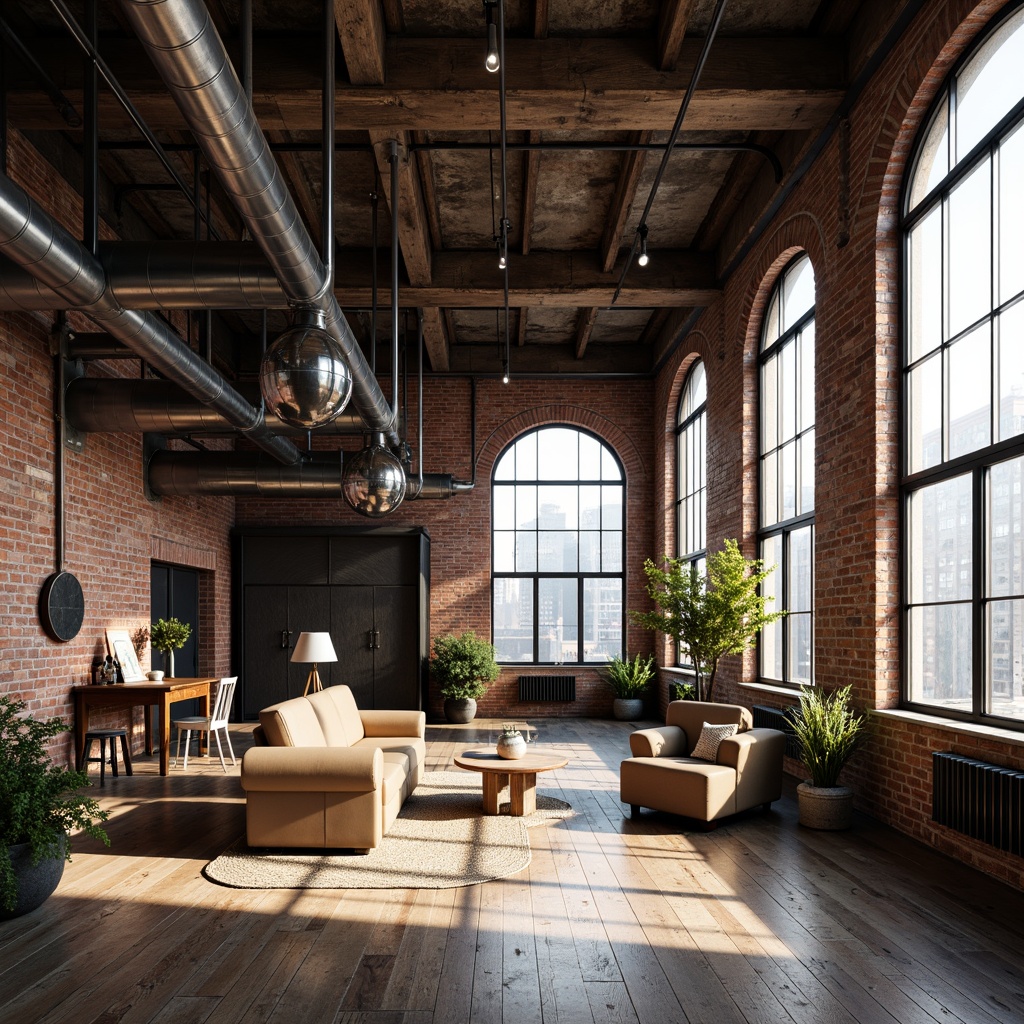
x: 369, y: 588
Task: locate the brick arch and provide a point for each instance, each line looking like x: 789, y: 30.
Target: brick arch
x: 569, y: 415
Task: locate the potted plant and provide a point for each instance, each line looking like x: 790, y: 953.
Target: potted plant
x: 168, y: 636
x: 39, y: 807
x: 630, y: 679
x: 462, y: 667
x: 708, y: 616
x: 828, y: 731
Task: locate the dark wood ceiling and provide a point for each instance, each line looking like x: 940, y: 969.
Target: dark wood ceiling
x: 583, y: 77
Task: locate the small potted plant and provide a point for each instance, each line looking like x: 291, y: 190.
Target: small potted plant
x: 828, y: 731
x: 39, y: 807
x: 168, y: 636
x: 630, y: 678
x: 463, y: 667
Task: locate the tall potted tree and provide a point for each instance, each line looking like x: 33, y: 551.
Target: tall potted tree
x: 39, y: 806
x: 712, y: 615
x: 463, y: 667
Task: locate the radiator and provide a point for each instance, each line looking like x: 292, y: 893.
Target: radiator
x: 777, y: 718
x: 981, y: 800
x: 546, y: 688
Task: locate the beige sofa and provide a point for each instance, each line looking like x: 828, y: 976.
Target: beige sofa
x: 325, y: 774
x: 663, y: 775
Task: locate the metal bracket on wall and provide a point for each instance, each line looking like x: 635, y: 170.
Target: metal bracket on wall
x: 151, y: 443
x: 72, y: 438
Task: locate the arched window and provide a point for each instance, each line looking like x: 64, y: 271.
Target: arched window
x: 787, y: 473
x: 691, y: 466
x: 963, y: 391
x: 558, y: 509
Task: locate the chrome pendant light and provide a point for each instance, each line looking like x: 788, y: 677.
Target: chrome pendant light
x: 373, y: 480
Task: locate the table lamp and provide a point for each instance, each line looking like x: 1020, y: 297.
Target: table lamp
x: 313, y: 647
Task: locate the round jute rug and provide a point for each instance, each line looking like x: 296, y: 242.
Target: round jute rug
x: 440, y: 840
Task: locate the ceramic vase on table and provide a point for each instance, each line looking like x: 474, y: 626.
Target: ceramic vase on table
x: 511, y: 744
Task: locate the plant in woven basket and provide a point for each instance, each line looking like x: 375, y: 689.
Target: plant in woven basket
x: 828, y: 731
x: 39, y: 802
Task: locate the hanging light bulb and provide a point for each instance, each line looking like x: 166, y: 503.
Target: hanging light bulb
x: 304, y: 378
x: 643, y: 259
x: 373, y: 480
x: 493, y: 61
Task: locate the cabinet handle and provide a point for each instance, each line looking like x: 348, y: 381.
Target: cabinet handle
x: 286, y: 639
x: 373, y: 639
x: 369, y: 639
x: 376, y: 639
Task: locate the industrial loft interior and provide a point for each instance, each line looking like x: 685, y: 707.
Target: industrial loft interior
x: 333, y: 329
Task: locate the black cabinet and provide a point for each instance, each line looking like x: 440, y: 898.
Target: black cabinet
x: 368, y: 588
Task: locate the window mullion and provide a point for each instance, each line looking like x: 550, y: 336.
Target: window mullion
x: 978, y: 574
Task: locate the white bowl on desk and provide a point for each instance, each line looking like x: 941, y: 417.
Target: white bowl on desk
x: 155, y: 676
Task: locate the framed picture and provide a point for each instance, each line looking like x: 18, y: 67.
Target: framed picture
x: 119, y: 644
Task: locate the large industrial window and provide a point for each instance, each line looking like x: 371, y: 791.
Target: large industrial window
x: 691, y: 474
x: 963, y: 391
x: 787, y: 474
x: 557, y: 506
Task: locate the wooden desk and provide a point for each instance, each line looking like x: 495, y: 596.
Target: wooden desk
x: 129, y: 695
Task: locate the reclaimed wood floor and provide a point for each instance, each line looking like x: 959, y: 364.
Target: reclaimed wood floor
x: 613, y: 921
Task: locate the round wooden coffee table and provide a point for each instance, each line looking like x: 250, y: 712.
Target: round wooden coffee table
x: 520, y: 774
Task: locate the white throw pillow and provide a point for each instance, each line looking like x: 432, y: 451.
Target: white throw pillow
x: 710, y: 736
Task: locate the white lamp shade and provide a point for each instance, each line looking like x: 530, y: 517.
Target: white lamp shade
x: 312, y: 647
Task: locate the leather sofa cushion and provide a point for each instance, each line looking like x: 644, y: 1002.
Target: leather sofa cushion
x: 338, y: 716
x: 693, y: 789
x: 292, y: 723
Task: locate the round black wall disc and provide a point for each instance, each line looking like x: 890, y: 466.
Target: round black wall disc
x: 62, y: 606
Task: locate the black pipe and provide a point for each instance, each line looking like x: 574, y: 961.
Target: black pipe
x: 327, y: 150
x: 90, y: 139
x: 394, y: 273
x: 64, y: 106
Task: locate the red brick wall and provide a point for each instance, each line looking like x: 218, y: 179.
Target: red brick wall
x: 857, y: 629
x: 459, y: 528
x: 112, y: 532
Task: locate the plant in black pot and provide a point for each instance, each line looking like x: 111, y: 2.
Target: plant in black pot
x: 463, y: 667
x: 828, y: 731
x: 630, y: 679
x: 39, y: 807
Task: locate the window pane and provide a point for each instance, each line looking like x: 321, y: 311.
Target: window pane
x: 771, y: 323
x: 611, y: 508
x: 806, y: 449
x: 526, y: 552
x: 970, y: 255
x: 590, y: 551
x: 769, y: 490
x: 799, y: 627
x: 770, y: 646
x: 787, y: 391
x: 769, y: 404
x: 940, y: 541
x: 933, y: 157
x: 505, y: 469
x: 1005, y: 629
x: 924, y: 270
x: 602, y: 617
x: 558, y: 507
x: 556, y: 551
x: 970, y: 383
x: 504, y: 551
x: 557, y: 617
x: 797, y: 292
x: 787, y: 472
x: 1011, y: 216
x: 611, y: 551
x: 526, y: 457
x: 694, y: 393
x: 770, y: 641
x: 513, y: 619
x: 1011, y: 372
x: 806, y: 417
x: 924, y: 414
x: 557, y: 454
x: 503, y: 508
x: 526, y: 507
x: 1003, y: 530
x: 799, y: 569
x: 590, y: 508
x: 989, y: 85
x: 609, y: 467
x: 940, y: 656
x: 590, y: 458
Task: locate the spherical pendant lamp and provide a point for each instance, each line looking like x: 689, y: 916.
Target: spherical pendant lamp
x: 304, y: 377
x: 373, y: 480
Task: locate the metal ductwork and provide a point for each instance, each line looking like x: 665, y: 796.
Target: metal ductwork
x: 251, y: 473
x: 125, y: 405
x: 189, y: 56
x: 35, y: 241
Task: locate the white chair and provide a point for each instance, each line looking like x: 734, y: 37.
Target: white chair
x: 215, y: 723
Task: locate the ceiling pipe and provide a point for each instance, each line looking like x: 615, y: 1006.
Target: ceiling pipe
x: 190, y: 58
x: 35, y: 241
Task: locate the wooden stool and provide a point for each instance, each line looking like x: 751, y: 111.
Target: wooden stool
x: 103, y: 735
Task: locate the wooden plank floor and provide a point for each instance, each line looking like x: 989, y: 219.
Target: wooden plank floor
x: 613, y: 921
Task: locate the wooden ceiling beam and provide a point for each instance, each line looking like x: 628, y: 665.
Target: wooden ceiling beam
x: 435, y: 339
x: 584, y: 328
x: 361, y: 31
x: 557, y: 83
x: 531, y: 172
x: 622, y: 205
x: 672, y: 25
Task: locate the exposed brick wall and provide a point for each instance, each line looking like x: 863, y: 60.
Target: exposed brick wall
x: 111, y: 530
x: 857, y: 629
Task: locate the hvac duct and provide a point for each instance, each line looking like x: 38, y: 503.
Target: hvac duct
x: 190, y: 58
x: 35, y: 241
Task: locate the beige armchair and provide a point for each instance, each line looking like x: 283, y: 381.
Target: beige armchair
x: 663, y: 774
